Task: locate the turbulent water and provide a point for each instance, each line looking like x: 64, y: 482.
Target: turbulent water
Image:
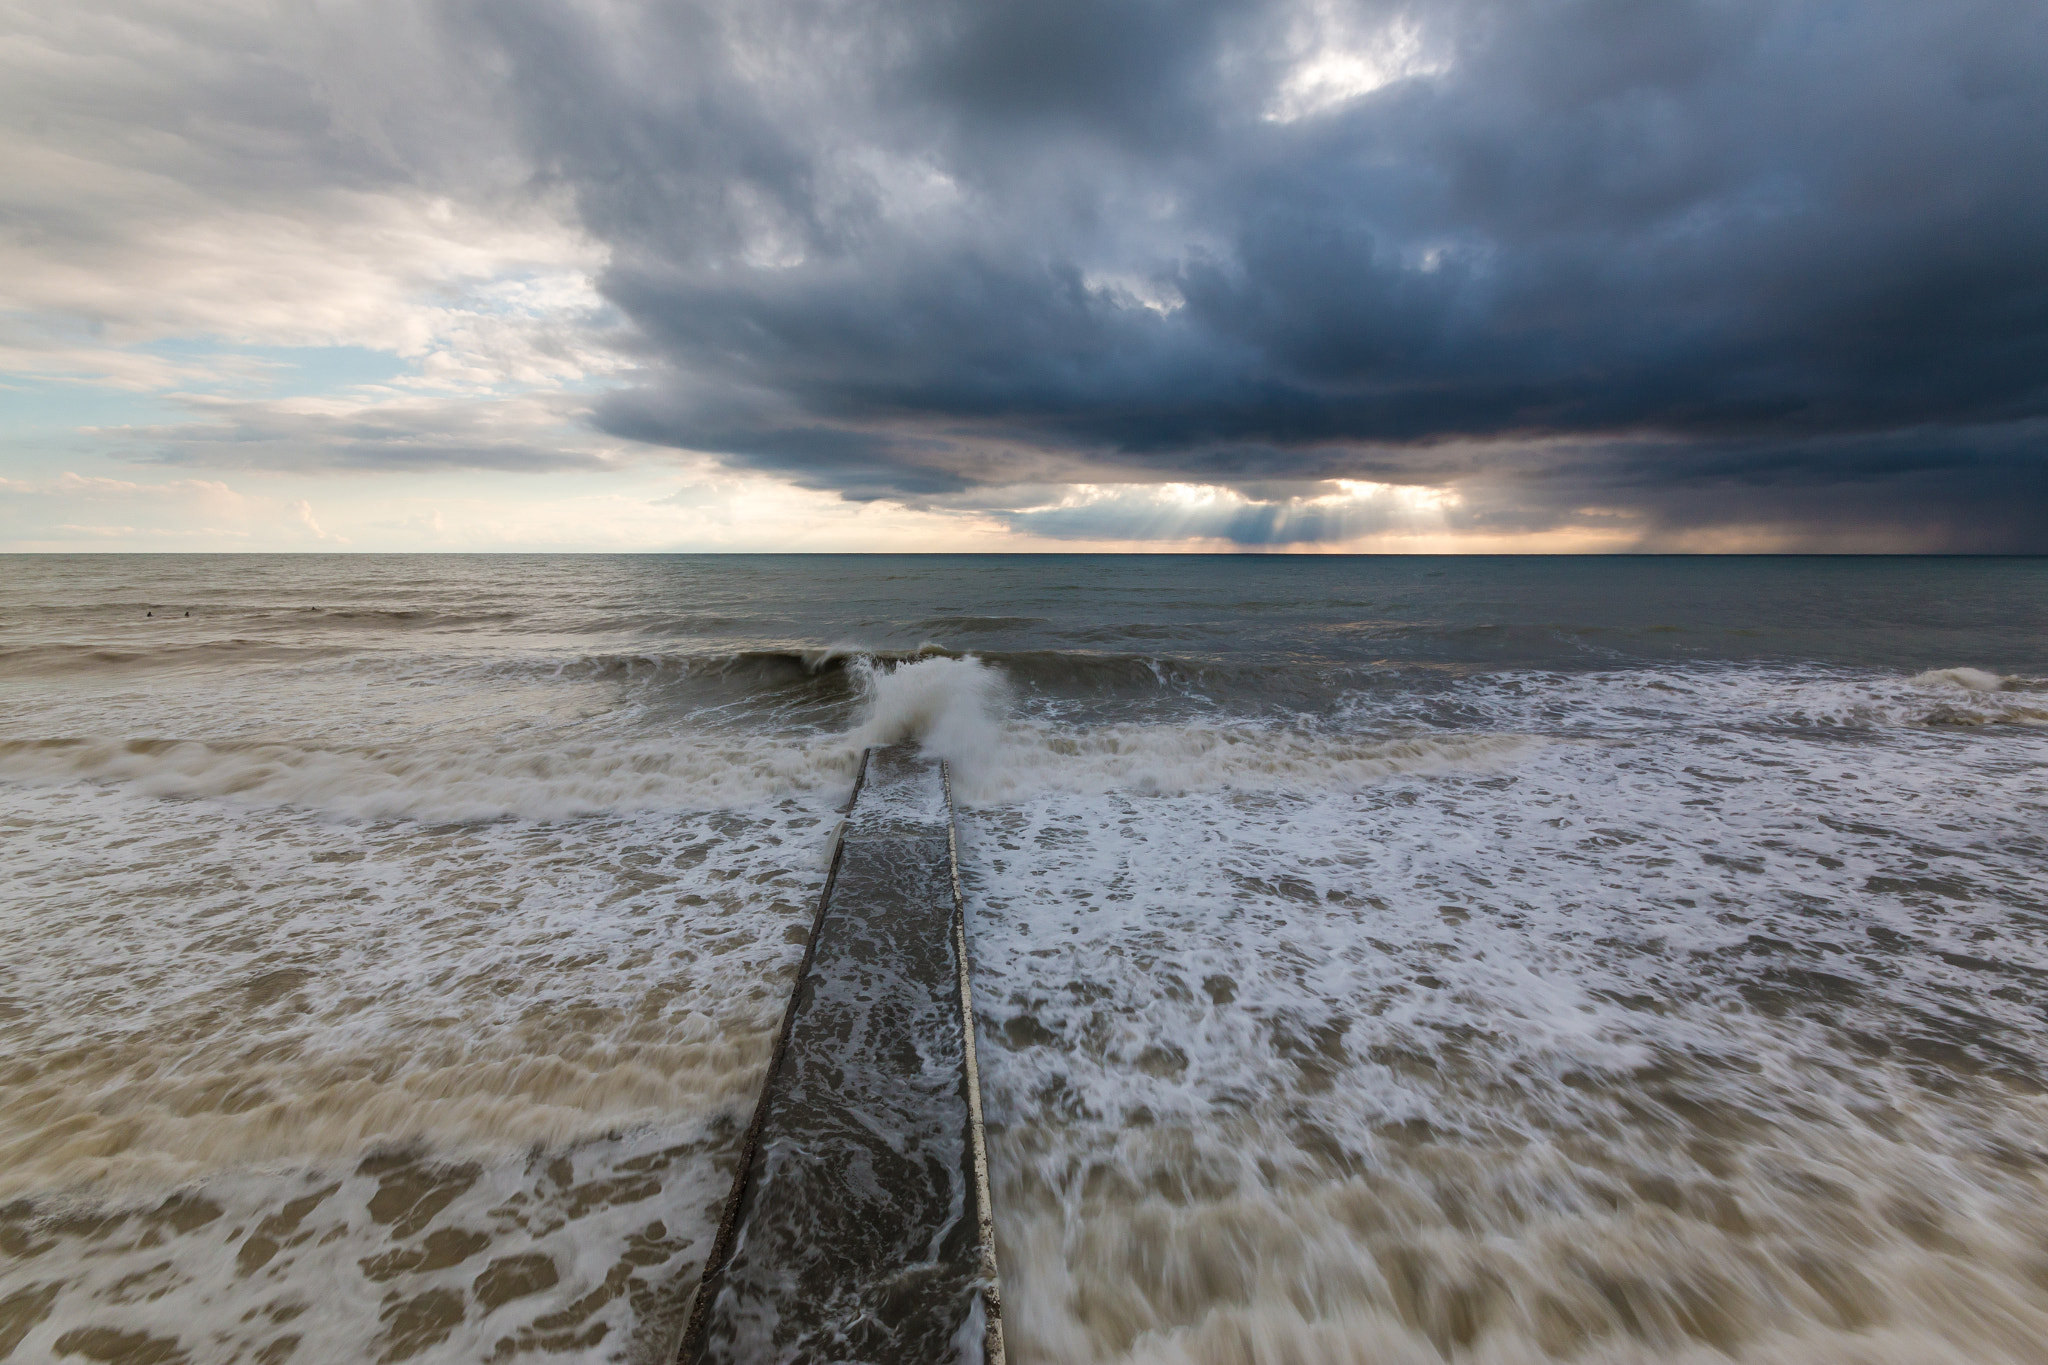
x: 1379, y: 960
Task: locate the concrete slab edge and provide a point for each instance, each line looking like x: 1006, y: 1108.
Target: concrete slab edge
x: 992, y: 1293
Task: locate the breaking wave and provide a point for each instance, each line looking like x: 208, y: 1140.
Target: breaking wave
x: 1004, y: 739
x: 960, y: 708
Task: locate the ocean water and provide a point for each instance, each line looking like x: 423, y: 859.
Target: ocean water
x: 1379, y: 960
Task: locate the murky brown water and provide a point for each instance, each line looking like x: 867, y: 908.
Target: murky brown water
x: 404, y: 1089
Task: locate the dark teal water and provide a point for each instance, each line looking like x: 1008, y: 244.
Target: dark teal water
x: 1518, y: 611
x: 1251, y: 632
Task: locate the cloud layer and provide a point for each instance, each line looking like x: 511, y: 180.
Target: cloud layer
x: 1725, y: 273
x: 1777, y: 260
x: 250, y: 174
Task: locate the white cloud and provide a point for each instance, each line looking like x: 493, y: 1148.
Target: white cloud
x: 211, y: 494
x: 1338, y: 59
x: 228, y: 173
x: 73, y: 510
x: 302, y: 512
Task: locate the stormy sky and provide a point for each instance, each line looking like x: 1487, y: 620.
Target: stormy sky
x: 1556, y: 274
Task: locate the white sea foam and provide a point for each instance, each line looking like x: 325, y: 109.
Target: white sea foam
x: 1969, y: 679
x: 955, y: 708
x: 959, y: 709
x: 218, y: 991
x: 511, y: 1060
x: 1715, y: 696
x: 951, y: 706
x: 1707, y: 1034
x: 563, y: 1253
x: 964, y: 710
x: 527, y: 778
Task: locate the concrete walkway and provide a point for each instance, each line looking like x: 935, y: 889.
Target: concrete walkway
x: 859, y: 1228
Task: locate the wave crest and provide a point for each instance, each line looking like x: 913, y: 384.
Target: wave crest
x: 1968, y: 679
x: 956, y: 708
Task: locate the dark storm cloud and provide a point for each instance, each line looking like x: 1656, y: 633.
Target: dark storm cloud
x: 1982, y: 490
x: 1730, y: 255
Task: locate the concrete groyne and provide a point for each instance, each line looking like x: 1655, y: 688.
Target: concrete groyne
x: 859, y: 1228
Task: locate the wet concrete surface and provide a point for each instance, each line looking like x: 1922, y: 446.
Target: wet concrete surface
x: 856, y: 1232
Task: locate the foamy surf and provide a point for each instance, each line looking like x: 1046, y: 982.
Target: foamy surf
x: 392, y: 985
x: 528, y: 781
x: 1969, y: 679
x: 959, y: 709
x: 566, y: 1252
x: 1638, y: 1048
x: 1371, y: 969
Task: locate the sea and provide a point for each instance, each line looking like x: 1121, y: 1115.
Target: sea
x: 1378, y: 959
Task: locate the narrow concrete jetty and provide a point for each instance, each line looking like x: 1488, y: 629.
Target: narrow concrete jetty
x: 858, y: 1228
